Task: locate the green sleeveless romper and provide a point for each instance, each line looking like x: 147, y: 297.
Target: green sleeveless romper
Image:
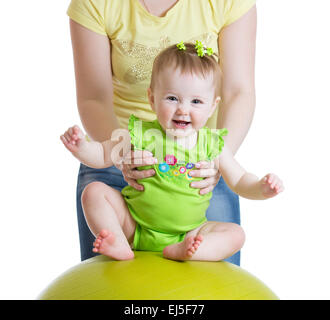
x: 168, y: 207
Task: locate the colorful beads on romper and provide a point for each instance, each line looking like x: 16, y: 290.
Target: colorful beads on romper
x: 182, y: 170
x: 188, y: 176
x: 190, y: 165
x: 170, y: 159
x: 176, y: 173
x: 163, y: 167
x: 175, y: 168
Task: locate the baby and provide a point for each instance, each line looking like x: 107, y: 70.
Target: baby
x: 169, y: 215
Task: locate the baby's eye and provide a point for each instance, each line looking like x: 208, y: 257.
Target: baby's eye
x: 172, y: 98
x: 196, y: 101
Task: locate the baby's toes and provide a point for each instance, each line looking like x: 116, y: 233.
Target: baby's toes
x: 189, y: 242
x: 97, y: 243
x: 96, y: 246
x: 103, y: 234
x: 196, y: 244
x: 198, y: 239
x: 190, y: 252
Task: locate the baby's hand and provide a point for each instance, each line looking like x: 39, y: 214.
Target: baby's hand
x: 73, y: 139
x: 271, y: 185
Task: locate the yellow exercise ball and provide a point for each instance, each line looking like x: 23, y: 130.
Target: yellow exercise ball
x: 149, y: 276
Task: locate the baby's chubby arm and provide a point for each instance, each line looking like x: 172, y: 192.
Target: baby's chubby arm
x: 91, y: 153
x: 244, y: 183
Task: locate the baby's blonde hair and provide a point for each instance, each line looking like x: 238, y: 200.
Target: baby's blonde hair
x: 187, y: 61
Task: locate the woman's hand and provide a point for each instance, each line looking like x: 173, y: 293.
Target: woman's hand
x: 129, y: 166
x: 208, y: 171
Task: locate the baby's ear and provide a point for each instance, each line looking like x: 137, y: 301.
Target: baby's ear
x: 215, y: 104
x: 151, y: 99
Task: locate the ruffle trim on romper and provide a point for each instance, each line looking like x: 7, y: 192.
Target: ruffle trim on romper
x: 136, y: 140
x: 217, y: 142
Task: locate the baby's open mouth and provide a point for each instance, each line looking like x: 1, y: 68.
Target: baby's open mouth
x: 181, y: 124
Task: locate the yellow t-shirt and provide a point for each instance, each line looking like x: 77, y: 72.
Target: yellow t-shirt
x: 137, y: 37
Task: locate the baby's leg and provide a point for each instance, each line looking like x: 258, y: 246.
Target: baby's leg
x: 109, y: 220
x: 213, y: 241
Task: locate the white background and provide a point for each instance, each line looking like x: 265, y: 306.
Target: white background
x: 287, y: 244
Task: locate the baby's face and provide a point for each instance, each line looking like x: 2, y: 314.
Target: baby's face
x: 183, y: 102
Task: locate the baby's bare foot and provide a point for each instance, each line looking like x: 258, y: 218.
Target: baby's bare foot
x: 107, y: 244
x: 183, y: 250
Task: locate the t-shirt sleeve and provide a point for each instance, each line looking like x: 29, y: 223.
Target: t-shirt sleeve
x: 89, y: 13
x: 234, y: 9
x: 216, y: 142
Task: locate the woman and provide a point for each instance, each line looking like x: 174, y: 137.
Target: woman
x: 114, y: 44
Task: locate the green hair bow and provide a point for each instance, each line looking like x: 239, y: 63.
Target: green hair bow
x: 181, y: 46
x: 201, y: 50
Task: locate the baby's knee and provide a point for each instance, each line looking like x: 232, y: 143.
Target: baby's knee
x: 238, y: 236
x: 92, y: 191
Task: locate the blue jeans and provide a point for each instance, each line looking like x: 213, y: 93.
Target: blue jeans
x: 224, y: 205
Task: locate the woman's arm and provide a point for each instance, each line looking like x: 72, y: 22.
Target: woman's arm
x: 92, y: 64
x: 237, y: 60
x: 237, y: 44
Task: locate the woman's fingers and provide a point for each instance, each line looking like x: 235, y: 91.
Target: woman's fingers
x: 137, y: 174
x: 139, y: 158
x: 203, y: 173
x: 205, y: 183
x: 204, y: 164
x: 134, y: 184
x: 130, y: 176
x: 205, y: 169
x: 139, y: 162
x: 136, y: 159
x: 207, y: 190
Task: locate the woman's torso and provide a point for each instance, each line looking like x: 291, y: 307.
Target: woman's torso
x: 138, y: 36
